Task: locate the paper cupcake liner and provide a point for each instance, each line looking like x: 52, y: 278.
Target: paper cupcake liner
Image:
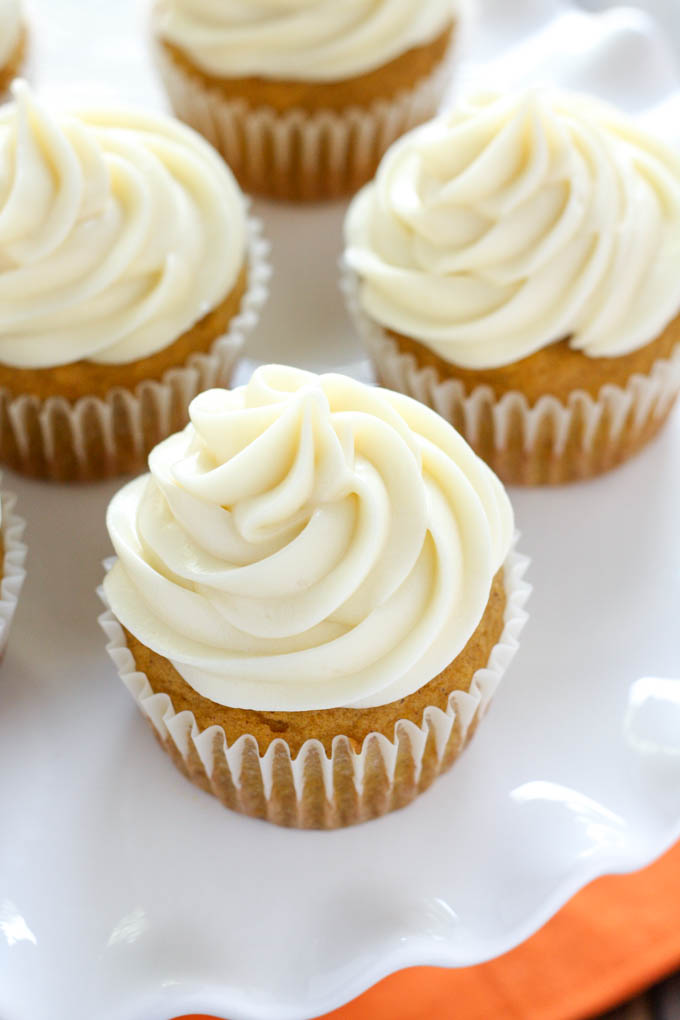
x: 97, y: 437
x: 299, y: 154
x: 13, y: 572
x: 548, y: 443
x: 313, y: 790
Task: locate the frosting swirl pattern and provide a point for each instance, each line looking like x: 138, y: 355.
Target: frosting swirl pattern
x: 118, y: 231
x: 512, y: 223
x: 10, y: 28
x: 308, y: 542
x: 311, y: 40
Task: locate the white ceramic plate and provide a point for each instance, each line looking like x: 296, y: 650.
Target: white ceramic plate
x: 127, y: 894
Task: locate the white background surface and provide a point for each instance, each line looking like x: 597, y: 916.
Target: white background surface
x: 127, y: 894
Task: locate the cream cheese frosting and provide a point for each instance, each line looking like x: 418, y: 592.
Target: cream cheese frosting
x: 308, y: 542
x: 10, y: 29
x: 119, y: 230
x: 309, y: 40
x: 516, y: 221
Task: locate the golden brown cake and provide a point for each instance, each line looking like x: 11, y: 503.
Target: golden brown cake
x: 315, y: 585
x: 555, y: 371
x: 326, y: 724
x: 13, y: 62
x: 520, y: 276
x: 89, y: 378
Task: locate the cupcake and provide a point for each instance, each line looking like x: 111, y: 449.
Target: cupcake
x: 12, y: 559
x: 128, y: 275
x: 314, y: 597
x: 12, y: 42
x: 302, y: 98
x: 516, y: 265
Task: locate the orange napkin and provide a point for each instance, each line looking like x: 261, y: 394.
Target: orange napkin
x: 613, y: 939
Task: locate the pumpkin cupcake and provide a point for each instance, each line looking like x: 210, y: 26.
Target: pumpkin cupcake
x: 302, y: 98
x: 515, y: 265
x: 12, y: 43
x: 315, y: 596
x: 128, y: 275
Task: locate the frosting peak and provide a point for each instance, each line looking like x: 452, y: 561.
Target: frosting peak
x: 300, y: 39
x: 514, y: 222
x: 308, y: 542
x: 118, y: 231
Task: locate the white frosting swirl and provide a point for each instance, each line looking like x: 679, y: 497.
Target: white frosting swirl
x: 309, y: 40
x: 511, y: 223
x: 308, y: 542
x: 118, y: 231
x: 10, y: 29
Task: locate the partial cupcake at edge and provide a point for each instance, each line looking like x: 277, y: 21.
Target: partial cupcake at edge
x: 303, y: 98
x: 12, y: 560
x: 129, y: 275
x: 315, y: 596
x: 515, y: 264
x: 13, y: 43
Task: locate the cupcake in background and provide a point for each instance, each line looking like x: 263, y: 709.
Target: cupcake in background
x: 302, y: 98
x: 12, y: 43
x: 315, y: 596
x: 12, y: 559
x: 128, y: 276
x: 516, y: 265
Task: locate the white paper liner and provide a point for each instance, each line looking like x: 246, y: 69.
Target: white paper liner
x: 13, y: 572
x: 99, y: 437
x: 313, y: 790
x: 549, y: 442
x: 300, y: 154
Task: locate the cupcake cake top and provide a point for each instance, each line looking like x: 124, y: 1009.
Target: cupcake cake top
x: 513, y: 222
x: 119, y: 230
x: 308, y: 542
x: 10, y: 28
x: 300, y: 39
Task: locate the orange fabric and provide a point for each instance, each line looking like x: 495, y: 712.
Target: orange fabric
x: 612, y: 940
